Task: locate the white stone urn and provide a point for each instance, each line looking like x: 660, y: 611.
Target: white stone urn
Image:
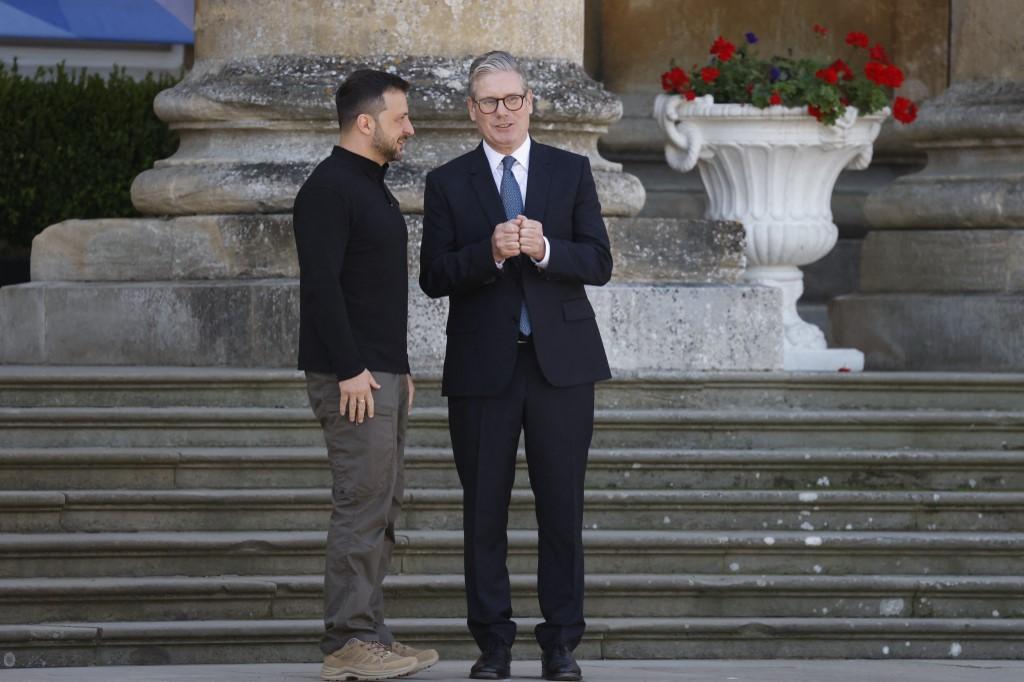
x: 773, y: 170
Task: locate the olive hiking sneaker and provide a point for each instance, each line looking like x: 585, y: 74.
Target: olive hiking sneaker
x: 424, y: 657
x: 359, y: 660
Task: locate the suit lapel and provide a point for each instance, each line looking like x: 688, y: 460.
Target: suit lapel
x: 538, y: 181
x: 482, y: 180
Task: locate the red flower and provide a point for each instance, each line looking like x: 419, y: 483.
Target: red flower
x: 814, y: 111
x: 875, y: 71
x: 829, y: 75
x: 842, y: 68
x: 723, y: 49
x: 690, y: 95
x: 884, y: 74
x: 708, y: 74
x: 857, y: 39
x: 820, y: 30
x: 903, y: 110
x: 675, y: 80
x: 893, y: 76
x: 750, y: 88
x: 878, y: 54
x: 775, y: 99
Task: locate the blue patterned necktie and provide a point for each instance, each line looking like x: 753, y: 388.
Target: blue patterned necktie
x: 512, y: 199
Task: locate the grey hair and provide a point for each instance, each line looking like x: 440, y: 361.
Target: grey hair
x: 494, y: 62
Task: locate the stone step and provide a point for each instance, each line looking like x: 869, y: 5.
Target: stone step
x: 307, y: 509
x: 44, y: 600
x: 79, y: 643
x: 441, y: 508
x: 71, y: 555
x: 594, y: 670
x: 620, y: 428
x: 638, y: 468
x: 106, y: 386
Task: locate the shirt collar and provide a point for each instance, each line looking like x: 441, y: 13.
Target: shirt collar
x: 521, y: 155
x: 375, y: 170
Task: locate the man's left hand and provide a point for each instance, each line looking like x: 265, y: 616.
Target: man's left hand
x: 531, y: 239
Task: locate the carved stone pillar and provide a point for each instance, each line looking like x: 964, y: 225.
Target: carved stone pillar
x: 942, y: 273
x: 257, y: 111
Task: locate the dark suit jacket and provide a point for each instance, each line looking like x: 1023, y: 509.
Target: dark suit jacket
x: 461, y: 208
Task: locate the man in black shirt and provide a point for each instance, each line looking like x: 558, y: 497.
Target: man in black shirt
x: 353, y: 285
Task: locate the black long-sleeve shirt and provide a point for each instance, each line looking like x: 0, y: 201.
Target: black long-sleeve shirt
x: 352, y: 243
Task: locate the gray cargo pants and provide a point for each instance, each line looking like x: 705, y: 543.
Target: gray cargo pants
x: 366, y: 464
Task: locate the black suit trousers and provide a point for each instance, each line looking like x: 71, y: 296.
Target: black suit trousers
x: 558, y: 425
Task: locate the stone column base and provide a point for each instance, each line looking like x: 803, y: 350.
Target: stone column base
x: 937, y: 300
x: 933, y: 332
x: 253, y: 323
x: 253, y: 128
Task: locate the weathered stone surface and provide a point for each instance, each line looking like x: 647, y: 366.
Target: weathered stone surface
x: 22, y: 324
x: 668, y: 250
x: 254, y: 324
x: 932, y: 332
x: 253, y: 128
x: 640, y: 37
x: 270, y: 187
x: 694, y: 327
x: 300, y: 88
x: 972, y: 134
x: 189, y: 247
x: 151, y: 324
x: 250, y: 246
x: 947, y: 254
x: 835, y: 274
x: 931, y: 201
x: 455, y: 662
x: 943, y: 261
x: 538, y: 27
x: 985, y: 40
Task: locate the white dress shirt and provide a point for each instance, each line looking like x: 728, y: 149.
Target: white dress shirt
x: 520, y: 171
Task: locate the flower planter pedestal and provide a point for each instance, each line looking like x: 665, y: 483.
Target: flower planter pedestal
x: 773, y: 170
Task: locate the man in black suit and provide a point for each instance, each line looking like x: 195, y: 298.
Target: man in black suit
x: 512, y: 231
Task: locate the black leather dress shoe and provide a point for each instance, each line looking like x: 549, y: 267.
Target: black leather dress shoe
x: 557, y: 663
x: 495, y: 663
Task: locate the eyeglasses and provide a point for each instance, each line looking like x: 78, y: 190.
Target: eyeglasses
x: 488, y: 105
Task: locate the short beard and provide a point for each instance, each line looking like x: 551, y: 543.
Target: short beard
x: 386, y: 148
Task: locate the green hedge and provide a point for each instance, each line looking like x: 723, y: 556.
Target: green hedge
x: 70, y: 145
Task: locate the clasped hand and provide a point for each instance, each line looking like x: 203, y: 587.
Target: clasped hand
x: 519, y: 235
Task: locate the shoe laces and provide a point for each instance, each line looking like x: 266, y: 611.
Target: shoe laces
x: 378, y: 650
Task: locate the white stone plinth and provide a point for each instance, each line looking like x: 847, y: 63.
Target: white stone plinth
x: 827, y: 360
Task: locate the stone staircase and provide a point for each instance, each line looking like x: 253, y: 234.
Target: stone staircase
x: 177, y: 515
